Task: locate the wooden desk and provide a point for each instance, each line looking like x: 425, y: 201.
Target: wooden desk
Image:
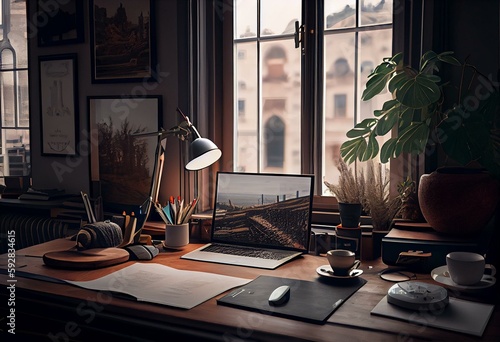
x: 66, y: 312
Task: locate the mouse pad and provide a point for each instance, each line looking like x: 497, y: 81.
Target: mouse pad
x: 311, y: 301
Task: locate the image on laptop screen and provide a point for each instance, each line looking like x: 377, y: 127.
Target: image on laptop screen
x: 263, y: 209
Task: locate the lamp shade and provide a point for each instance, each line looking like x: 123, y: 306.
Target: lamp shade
x: 203, y: 153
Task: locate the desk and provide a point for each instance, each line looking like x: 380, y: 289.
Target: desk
x: 66, y: 311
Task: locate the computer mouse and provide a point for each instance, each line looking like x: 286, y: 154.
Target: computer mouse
x: 280, y: 295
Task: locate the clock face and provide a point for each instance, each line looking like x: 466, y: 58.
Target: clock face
x: 418, y: 296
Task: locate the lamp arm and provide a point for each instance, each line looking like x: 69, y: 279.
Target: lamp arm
x: 189, y: 124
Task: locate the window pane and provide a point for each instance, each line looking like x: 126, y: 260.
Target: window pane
x: 340, y: 14
x: 15, y: 156
x: 281, y: 106
x: 7, y: 99
x: 375, y: 12
x: 17, y: 35
x: 247, y: 96
x: 339, y: 80
x: 245, y: 19
x: 373, y: 47
x: 279, y: 16
x: 23, y: 98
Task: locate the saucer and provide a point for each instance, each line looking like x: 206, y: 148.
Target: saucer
x: 441, y: 275
x: 326, y: 271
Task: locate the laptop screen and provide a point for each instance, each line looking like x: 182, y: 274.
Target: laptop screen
x: 265, y: 210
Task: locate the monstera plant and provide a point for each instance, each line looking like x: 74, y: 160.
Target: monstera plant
x: 426, y: 111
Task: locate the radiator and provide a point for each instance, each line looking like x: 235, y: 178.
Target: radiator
x: 29, y: 230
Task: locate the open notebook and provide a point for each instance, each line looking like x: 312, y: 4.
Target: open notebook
x: 259, y: 220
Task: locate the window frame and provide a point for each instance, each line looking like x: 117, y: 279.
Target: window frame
x: 404, y: 37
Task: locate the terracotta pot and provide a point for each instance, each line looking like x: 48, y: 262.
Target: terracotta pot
x: 458, y: 201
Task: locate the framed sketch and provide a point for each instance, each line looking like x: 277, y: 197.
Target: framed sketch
x: 58, y: 104
x: 122, y: 163
x: 122, y: 40
x: 60, y: 22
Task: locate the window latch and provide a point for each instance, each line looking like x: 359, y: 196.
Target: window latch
x: 299, y: 34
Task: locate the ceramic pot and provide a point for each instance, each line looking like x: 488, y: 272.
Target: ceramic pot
x: 458, y: 201
x: 350, y: 214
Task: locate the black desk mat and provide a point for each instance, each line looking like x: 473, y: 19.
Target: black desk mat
x: 311, y: 301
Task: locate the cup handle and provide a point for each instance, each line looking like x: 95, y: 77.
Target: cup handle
x: 492, y: 269
x: 355, y: 265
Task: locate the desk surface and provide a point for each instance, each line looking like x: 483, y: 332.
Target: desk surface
x: 67, y: 311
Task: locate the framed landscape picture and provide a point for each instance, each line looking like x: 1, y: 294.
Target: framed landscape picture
x: 58, y: 104
x: 122, y: 40
x: 122, y: 163
x: 59, y: 22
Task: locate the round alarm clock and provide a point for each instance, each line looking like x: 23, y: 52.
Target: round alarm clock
x: 416, y: 295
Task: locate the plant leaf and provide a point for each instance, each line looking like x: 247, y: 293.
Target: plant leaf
x: 388, y: 150
x: 351, y: 149
x: 418, y: 92
x: 414, y: 138
x: 387, y: 121
x: 362, y: 128
x: 378, y: 80
x: 371, y: 149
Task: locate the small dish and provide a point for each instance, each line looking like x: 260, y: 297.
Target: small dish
x: 441, y: 275
x: 326, y: 271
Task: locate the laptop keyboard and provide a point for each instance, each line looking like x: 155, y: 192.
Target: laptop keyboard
x: 246, y: 251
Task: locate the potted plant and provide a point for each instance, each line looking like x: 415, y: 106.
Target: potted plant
x: 429, y: 111
x: 349, y: 192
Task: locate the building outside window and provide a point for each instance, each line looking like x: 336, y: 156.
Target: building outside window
x: 14, y: 97
x: 355, y: 36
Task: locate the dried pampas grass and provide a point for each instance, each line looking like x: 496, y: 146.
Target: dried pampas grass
x: 349, y: 189
x: 376, y: 198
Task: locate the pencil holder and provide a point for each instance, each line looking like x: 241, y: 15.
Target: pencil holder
x: 176, y: 235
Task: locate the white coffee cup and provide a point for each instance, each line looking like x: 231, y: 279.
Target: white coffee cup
x: 466, y: 268
x: 342, y: 261
x: 176, y: 235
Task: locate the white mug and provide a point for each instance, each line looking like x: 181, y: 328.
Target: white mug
x: 466, y: 268
x: 342, y: 261
x: 176, y: 235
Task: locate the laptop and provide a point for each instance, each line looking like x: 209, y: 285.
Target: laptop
x: 259, y: 220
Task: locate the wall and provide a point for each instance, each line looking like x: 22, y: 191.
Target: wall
x: 72, y: 173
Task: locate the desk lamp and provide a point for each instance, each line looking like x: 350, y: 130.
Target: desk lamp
x: 203, y: 153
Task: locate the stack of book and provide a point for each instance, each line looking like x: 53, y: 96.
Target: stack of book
x: 42, y: 194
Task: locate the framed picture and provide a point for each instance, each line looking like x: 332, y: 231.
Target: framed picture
x: 59, y: 22
x: 122, y: 40
x: 58, y: 104
x: 122, y: 163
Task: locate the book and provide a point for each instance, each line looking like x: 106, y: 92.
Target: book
x: 129, y: 230
x: 42, y: 194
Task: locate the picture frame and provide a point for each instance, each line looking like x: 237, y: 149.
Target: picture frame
x: 122, y: 49
x: 58, y: 104
x: 123, y: 165
x: 60, y: 22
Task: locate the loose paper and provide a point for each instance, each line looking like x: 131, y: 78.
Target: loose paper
x: 161, y: 284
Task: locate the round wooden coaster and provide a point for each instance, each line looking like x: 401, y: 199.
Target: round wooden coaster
x: 86, y: 259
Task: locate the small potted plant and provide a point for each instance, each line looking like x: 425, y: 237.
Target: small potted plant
x: 428, y: 111
x: 349, y: 192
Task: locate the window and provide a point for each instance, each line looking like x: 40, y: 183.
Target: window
x: 340, y: 103
x: 352, y: 36
x: 14, y: 99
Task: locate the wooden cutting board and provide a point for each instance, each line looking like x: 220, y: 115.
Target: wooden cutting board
x: 86, y: 259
